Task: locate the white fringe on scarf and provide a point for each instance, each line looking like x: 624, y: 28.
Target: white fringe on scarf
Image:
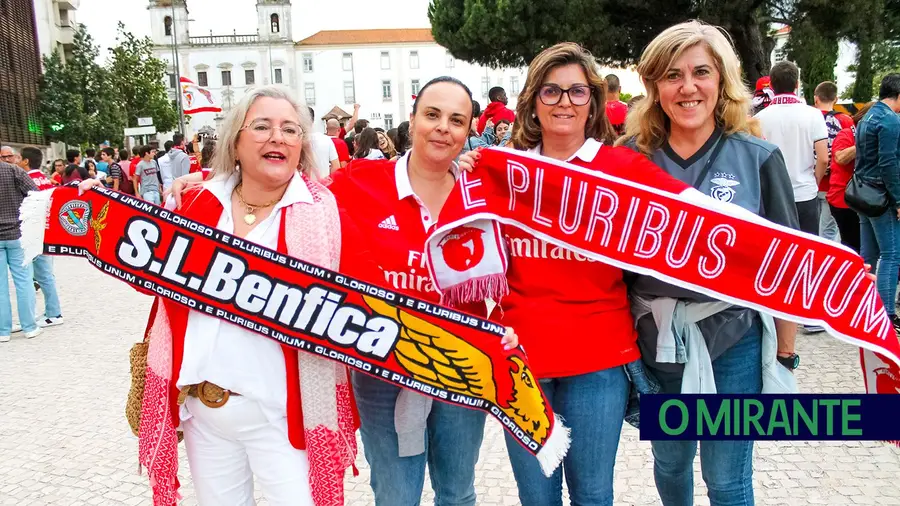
x: 34, y: 215
x: 554, y: 450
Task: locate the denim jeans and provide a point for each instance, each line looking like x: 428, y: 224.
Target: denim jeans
x: 879, y: 244
x: 593, y: 406
x: 726, y: 466
x: 828, y: 228
x: 452, y: 442
x: 43, y: 274
x: 11, y: 258
x: 151, y: 196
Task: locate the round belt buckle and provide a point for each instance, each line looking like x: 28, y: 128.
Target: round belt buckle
x: 212, y: 396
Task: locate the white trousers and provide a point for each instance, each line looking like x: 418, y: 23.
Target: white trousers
x: 227, y: 446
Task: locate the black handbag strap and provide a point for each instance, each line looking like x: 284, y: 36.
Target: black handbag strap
x: 709, y: 162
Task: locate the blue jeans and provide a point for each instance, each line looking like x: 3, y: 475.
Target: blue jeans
x: 151, y: 196
x: 726, y: 466
x: 43, y: 274
x: 828, y: 228
x: 879, y: 244
x: 452, y: 442
x: 11, y: 258
x: 593, y: 406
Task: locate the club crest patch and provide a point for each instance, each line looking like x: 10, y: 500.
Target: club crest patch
x: 723, y: 187
x: 75, y: 216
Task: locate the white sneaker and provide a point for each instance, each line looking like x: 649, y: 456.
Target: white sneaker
x: 4, y: 339
x: 50, y: 322
x: 16, y: 328
x: 34, y: 333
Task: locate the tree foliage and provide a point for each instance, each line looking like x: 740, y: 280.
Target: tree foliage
x: 814, y: 53
x: 140, y: 81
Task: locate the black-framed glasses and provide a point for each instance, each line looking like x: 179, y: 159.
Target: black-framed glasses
x: 262, y: 131
x: 551, y: 94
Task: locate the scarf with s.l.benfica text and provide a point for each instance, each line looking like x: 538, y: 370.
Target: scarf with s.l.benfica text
x: 438, y: 352
x: 659, y: 227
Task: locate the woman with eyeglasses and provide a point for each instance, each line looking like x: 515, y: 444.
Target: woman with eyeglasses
x: 572, y: 314
x: 249, y: 406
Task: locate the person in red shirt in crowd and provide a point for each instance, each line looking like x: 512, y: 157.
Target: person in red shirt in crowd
x: 496, y: 110
x: 59, y: 166
x: 388, y: 208
x: 825, y: 96
x: 763, y: 95
x: 572, y: 314
x: 616, y: 110
x: 333, y: 130
x: 843, y: 161
x: 31, y: 163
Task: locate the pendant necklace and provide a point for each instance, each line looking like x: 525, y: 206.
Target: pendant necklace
x: 250, y: 216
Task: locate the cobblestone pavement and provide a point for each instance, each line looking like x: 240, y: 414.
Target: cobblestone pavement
x: 64, y: 439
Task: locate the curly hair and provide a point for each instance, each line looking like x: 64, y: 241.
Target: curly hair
x: 648, y: 124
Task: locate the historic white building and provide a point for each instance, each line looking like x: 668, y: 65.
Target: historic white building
x: 379, y: 69
x: 55, y: 24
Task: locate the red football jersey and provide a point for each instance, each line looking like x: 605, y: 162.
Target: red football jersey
x: 40, y: 180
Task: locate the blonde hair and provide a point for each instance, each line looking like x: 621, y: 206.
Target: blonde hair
x: 526, y: 129
x: 224, y: 160
x: 647, y: 123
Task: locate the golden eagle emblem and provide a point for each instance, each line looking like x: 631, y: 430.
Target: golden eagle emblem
x: 98, y: 224
x: 439, y: 358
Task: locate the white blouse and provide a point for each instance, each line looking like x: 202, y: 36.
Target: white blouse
x: 230, y: 356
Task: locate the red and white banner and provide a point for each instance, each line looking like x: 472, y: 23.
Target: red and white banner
x: 685, y: 239
x: 195, y: 98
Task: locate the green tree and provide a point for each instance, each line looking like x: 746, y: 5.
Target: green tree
x: 81, y: 104
x: 140, y: 81
x: 814, y: 53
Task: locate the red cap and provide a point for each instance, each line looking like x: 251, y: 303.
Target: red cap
x: 763, y: 83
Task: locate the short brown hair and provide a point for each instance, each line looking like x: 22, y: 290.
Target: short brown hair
x: 526, y: 129
x: 784, y: 75
x: 826, y: 92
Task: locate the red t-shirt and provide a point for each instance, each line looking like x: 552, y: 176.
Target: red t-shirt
x: 840, y: 174
x: 384, y: 227
x: 195, y: 164
x: 341, y: 147
x: 40, y: 179
x: 616, y: 111
x: 572, y: 315
x: 56, y: 179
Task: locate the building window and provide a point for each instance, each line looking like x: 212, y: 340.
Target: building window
x: 202, y: 80
x: 168, y: 25
x: 413, y: 59
x: 349, y: 96
x: 172, y: 83
x: 388, y: 121
x: 385, y: 60
x: 386, y: 91
x: 514, y: 85
x: 277, y: 76
x: 347, y: 61
x: 307, y: 62
x: 276, y: 27
x: 249, y: 77
x: 309, y: 93
x: 226, y: 78
x: 485, y: 86
x: 451, y: 61
x: 414, y: 86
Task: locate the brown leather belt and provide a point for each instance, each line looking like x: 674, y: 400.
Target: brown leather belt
x: 210, y: 394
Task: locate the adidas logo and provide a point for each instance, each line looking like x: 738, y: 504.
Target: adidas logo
x: 389, y: 223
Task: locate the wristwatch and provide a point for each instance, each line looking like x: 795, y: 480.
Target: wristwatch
x: 791, y: 362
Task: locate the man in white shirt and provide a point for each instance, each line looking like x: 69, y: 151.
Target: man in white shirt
x: 326, y: 154
x: 800, y: 132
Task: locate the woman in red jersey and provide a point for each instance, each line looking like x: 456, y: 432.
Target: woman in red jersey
x: 572, y: 313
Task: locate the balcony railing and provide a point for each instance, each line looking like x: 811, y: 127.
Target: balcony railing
x: 209, y: 40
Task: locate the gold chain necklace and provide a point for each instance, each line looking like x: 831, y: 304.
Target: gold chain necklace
x: 250, y: 216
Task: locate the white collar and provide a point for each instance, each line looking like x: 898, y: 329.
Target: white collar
x: 586, y: 153
x: 297, y: 191
x: 401, y: 175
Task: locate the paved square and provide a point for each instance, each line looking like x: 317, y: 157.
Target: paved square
x: 64, y: 439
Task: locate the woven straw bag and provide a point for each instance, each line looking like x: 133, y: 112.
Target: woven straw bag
x: 138, y: 357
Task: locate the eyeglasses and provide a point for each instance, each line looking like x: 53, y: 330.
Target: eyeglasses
x: 7, y: 157
x: 262, y: 131
x: 551, y: 94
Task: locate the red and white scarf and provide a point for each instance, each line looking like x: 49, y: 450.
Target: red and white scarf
x: 686, y: 239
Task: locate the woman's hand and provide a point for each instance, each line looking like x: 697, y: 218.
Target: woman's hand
x: 510, y: 340
x: 182, y: 184
x: 468, y: 161
x: 868, y: 268
x: 87, y: 184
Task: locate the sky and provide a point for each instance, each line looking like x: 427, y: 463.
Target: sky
x: 225, y: 16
